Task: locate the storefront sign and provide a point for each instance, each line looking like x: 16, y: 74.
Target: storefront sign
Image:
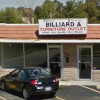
x: 63, y: 26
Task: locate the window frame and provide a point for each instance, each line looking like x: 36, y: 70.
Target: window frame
x: 13, y: 72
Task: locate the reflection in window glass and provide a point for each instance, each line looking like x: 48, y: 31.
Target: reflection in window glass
x: 85, y: 54
x: 37, y: 72
x: 22, y: 73
x: 12, y: 55
x: 54, y: 54
x: 14, y: 74
x: 35, y: 55
x: 96, y: 56
x: 55, y: 61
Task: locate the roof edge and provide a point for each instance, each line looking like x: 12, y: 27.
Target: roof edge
x: 49, y: 41
x: 38, y: 24
x: 94, y: 24
x: 17, y: 24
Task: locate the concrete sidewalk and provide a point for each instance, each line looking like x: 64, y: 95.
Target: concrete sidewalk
x: 88, y: 83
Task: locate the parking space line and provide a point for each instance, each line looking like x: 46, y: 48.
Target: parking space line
x: 90, y: 89
x: 59, y: 98
x: 2, y: 98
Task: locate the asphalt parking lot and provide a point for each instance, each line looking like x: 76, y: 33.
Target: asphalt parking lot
x: 64, y: 93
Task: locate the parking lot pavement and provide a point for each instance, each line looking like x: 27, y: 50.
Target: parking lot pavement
x: 64, y: 93
x: 13, y: 95
x: 77, y: 93
x: 93, y: 87
x: 10, y: 95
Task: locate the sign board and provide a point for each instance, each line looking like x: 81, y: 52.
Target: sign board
x: 63, y: 26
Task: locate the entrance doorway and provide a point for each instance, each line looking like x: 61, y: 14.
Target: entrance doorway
x: 85, y: 62
x: 54, y: 59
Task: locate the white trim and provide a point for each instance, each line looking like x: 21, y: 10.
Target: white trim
x: 85, y: 46
x: 2, y: 57
x: 67, y: 41
x: 91, y: 63
x: 49, y: 41
x: 24, y: 54
x: 78, y: 62
x: 18, y: 24
x: 94, y: 24
x: 48, y: 57
x: 62, y: 60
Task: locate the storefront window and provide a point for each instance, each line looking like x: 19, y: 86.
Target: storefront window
x: 35, y: 55
x: 96, y: 57
x: 12, y: 55
x: 55, y: 61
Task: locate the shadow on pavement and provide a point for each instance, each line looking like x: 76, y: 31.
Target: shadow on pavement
x: 41, y: 97
x: 37, y: 97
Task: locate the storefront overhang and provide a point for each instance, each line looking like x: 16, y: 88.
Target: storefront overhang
x: 49, y: 41
x: 29, y: 33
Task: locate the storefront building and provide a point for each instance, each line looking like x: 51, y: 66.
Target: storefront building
x: 71, y: 57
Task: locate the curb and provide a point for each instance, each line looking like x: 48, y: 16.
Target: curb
x: 98, y: 86
x: 85, y: 83
x: 65, y: 84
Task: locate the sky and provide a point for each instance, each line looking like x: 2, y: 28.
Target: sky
x: 25, y: 3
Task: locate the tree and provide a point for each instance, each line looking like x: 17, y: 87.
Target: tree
x: 93, y: 11
x: 27, y: 12
x: 2, y: 17
x: 89, y: 10
x: 10, y: 15
x: 38, y: 14
x: 68, y: 8
x: 26, y: 7
x: 79, y: 11
x: 44, y: 11
x: 58, y: 7
x: 53, y: 9
x: 50, y: 9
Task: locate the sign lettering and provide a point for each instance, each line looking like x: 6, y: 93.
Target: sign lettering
x: 63, y: 26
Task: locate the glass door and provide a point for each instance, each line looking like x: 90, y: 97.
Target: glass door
x: 85, y: 62
x: 55, y: 60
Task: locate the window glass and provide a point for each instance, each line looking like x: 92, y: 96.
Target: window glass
x: 22, y: 74
x: 35, y: 55
x: 55, y: 61
x: 37, y: 72
x: 54, y: 54
x: 14, y: 73
x: 96, y: 57
x: 12, y: 55
x: 85, y: 54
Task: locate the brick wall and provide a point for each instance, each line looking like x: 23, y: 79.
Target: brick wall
x: 70, y: 70
x: 70, y: 67
x: 96, y: 75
